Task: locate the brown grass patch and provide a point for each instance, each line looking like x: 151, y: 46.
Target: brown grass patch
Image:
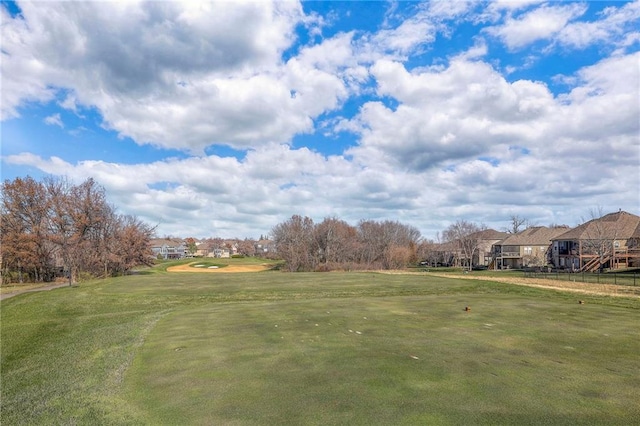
x: 570, y: 286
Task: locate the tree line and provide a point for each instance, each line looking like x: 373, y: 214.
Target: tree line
x: 333, y: 244
x: 52, y: 227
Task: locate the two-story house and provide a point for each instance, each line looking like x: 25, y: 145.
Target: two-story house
x: 528, y: 248
x: 610, y: 242
x: 485, y: 240
x: 166, y: 248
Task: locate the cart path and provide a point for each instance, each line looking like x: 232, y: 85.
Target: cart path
x: 31, y: 290
x: 571, y: 286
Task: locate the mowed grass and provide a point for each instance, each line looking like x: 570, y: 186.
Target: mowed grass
x: 332, y: 348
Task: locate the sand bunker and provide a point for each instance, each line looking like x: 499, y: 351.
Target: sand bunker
x: 226, y: 269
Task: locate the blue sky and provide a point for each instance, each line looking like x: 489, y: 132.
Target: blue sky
x: 226, y: 118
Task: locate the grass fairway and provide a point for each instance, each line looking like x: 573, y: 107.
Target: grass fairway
x: 334, y: 348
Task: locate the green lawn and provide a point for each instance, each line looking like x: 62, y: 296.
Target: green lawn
x: 323, y: 348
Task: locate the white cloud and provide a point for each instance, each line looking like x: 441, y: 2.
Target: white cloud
x: 477, y: 51
x: 245, y: 197
x: 618, y: 26
x: 54, y: 120
x: 444, y: 115
x: 484, y: 141
x: 24, y: 75
x: 443, y: 11
x: 69, y: 103
x: 407, y: 37
x: 450, y: 138
x: 601, y: 113
x: 176, y: 75
x: 415, y: 33
x: 615, y: 27
x: 542, y: 23
x: 512, y: 5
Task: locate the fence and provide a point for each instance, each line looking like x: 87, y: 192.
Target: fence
x: 630, y: 279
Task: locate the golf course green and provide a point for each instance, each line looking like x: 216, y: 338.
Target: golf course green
x: 270, y: 347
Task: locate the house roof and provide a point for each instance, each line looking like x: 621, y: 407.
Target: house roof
x: 490, y: 234
x: 446, y: 246
x: 159, y: 242
x: 484, y: 235
x: 205, y: 245
x: 534, y: 236
x: 618, y: 225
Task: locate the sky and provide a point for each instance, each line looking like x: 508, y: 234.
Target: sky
x: 227, y: 118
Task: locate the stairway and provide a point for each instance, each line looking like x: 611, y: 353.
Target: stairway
x: 594, y: 264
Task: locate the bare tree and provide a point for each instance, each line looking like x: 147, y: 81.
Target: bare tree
x: 62, y: 232
x: 517, y: 224
x: 51, y: 223
x: 335, y: 241
x: 334, y: 244
x: 132, y: 237
x: 465, y: 235
x: 372, y: 243
x: 397, y: 257
x: 401, y: 244
x: 426, y: 252
x: 377, y: 239
x: 23, y: 242
x: 600, y: 234
x: 247, y: 247
x: 294, y: 240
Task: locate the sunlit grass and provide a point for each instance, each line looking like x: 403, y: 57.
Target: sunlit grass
x: 324, y: 348
x: 387, y: 361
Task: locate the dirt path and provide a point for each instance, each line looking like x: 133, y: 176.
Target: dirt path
x: 31, y: 290
x: 576, y: 287
x: 226, y: 269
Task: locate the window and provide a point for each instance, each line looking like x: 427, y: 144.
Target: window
x: 527, y: 250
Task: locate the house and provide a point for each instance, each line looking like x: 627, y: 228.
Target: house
x: 477, y: 245
x: 223, y: 253
x: 528, y: 248
x: 485, y: 240
x: 611, y: 241
x: 264, y: 246
x: 440, y: 254
x: 204, y: 248
x: 168, y: 248
x: 231, y: 246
